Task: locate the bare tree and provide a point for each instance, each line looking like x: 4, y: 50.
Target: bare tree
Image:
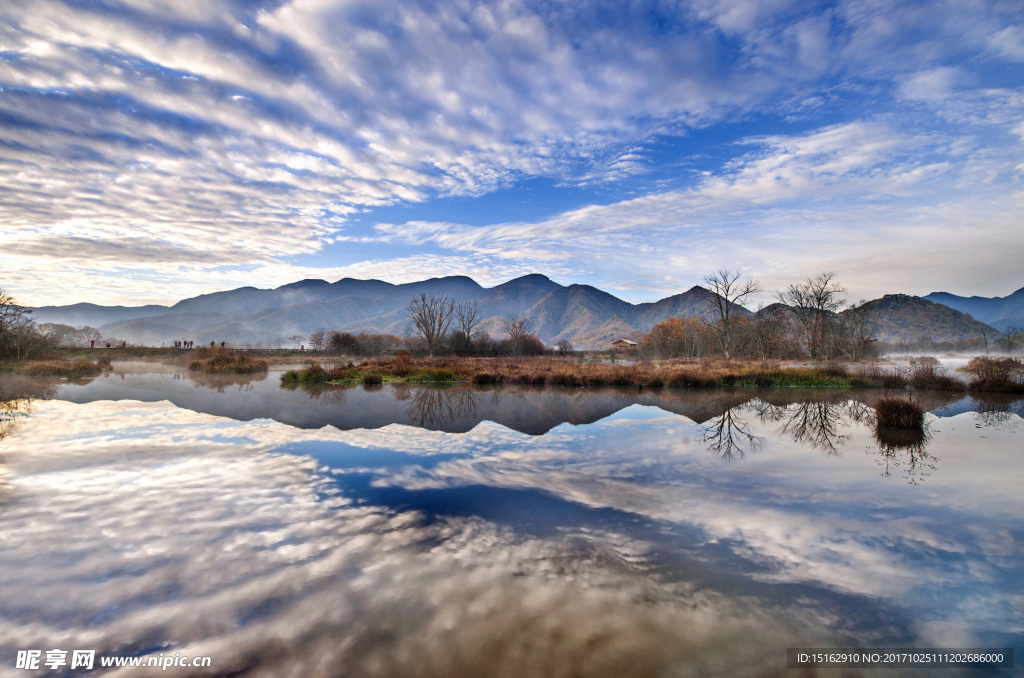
x: 318, y: 339
x: 431, y: 316
x: 815, y: 302
x: 858, y: 328
x: 1011, y: 335
x: 467, y: 325
x: 565, y: 348
x: 727, y: 295
x: 515, y: 328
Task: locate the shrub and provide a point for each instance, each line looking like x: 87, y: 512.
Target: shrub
x: 899, y: 413
x: 1001, y: 375
x: 372, y: 380
x: 925, y: 374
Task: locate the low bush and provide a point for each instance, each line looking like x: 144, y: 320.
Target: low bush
x: 996, y: 375
x: 927, y: 375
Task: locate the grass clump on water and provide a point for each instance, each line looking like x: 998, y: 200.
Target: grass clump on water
x: 899, y: 413
x: 71, y: 369
x: 218, y: 360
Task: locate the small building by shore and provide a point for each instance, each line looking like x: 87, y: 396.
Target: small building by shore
x: 623, y: 345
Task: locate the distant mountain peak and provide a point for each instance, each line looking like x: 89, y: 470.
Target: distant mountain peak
x: 531, y: 279
x: 304, y: 284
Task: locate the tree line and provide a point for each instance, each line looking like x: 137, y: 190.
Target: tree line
x: 804, y: 323
x: 439, y: 326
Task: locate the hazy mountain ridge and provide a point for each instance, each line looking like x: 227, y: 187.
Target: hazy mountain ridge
x: 584, y: 315
x: 93, y: 315
x: 999, y: 312
x: 904, y: 318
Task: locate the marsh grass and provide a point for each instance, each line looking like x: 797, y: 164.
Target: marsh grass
x: 996, y: 375
x: 217, y: 360
x: 552, y: 371
x: 899, y: 413
x: 568, y: 373
x: 71, y: 369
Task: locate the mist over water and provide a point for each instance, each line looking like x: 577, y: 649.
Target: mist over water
x: 411, y: 531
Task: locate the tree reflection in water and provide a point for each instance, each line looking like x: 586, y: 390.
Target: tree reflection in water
x: 819, y: 423
x: 906, y: 449
x: 436, y: 407
x: 16, y: 399
x: 996, y: 409
x: 728, y: 436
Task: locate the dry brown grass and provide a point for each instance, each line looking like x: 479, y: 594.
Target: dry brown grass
x: 996, y: 375
x: 72, y: 369
x: 217, y: 360
x: 553, y: 371
x: 899, y: 413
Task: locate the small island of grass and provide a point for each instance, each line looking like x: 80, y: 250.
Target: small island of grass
x: 545, y: 370
x: 217, y: 360
x: 69, y: 369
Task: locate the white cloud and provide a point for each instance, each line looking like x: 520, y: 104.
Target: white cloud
x: 874, y: 204
x: 1009, y: 42
x: 936, y: 84
x: 224, y: 132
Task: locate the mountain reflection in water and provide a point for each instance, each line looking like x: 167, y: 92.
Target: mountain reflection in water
x: 412, y: 531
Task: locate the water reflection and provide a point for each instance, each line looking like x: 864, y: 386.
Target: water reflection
x: 436, y: 408
x: 819, y: 423
x: 221, y: 382
x: 905, y: 449
x: 728, y: 436
x: 499, y: 532
x: 16, y: 399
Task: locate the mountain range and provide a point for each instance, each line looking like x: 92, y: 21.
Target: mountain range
x: 585, y: 315
x: 999, y: 312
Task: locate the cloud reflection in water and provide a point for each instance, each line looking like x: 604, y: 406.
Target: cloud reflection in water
x: 146, y: 527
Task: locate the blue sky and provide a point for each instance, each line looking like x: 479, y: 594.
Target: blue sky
x: 151, y: 150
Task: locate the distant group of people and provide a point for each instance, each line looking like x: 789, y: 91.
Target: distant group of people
x: 188, y: 343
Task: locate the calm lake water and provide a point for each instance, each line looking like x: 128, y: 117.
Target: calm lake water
x: 416, y: 531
